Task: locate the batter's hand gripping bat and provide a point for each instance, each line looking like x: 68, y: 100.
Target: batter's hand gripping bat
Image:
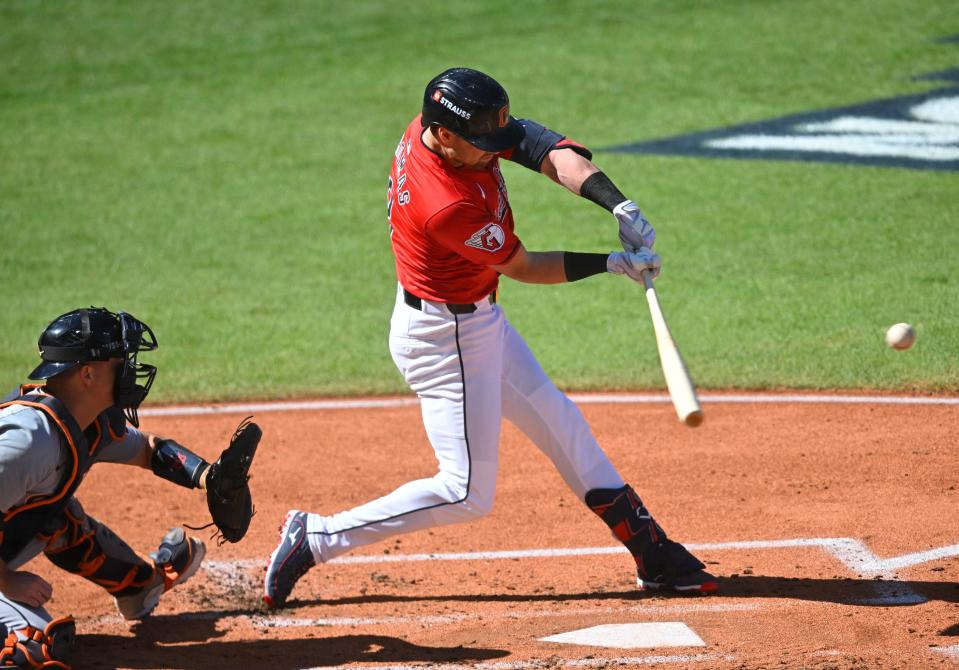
x: 680, y: 386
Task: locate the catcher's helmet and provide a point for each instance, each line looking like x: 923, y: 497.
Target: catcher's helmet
x: 474, y: 106
x: 97, y: 334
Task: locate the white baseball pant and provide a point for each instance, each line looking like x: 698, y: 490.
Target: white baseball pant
x: 469, y: 371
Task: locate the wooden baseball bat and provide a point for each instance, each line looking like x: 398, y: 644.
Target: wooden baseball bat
x: 680, y: 386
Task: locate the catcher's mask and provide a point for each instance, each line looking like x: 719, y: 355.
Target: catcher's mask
x: 97, y: 334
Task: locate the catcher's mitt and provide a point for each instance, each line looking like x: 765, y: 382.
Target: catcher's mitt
x: 227, y: 491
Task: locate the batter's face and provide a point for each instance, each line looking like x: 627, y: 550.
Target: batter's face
x: 458, y: 152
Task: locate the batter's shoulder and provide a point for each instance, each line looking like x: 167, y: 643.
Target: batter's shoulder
x: 437, y: 192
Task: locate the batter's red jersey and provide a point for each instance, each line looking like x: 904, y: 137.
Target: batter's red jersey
x: 447, y: 225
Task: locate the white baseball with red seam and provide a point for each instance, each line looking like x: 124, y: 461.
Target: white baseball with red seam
x: 900, y: 336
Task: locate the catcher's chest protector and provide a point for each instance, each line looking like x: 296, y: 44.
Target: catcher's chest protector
x: 20, y: 524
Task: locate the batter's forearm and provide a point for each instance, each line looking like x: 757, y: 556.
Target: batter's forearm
x: 535, y: 267
x: 568, y: 169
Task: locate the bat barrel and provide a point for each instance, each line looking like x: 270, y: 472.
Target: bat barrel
x: 680, y: 386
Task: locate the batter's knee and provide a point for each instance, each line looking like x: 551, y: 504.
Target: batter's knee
x: 31, y: 647
x: 481, y: 502
x: 469, y: 500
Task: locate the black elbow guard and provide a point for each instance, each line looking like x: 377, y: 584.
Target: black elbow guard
x: 174, y: 462
x: 539, y: 141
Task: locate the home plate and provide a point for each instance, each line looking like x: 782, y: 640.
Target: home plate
x: 632, y: 636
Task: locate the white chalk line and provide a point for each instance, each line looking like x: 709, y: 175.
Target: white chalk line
x: 849, y: 551
x: 582, y: 398
x: 553, y: 663
x: 638, y: 610
x: 952, y: 651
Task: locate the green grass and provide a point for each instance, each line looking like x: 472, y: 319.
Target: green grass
x: 219, y: 168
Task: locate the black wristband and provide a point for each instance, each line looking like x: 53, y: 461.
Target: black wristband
x: 598, y: 188
x: 579, y: 266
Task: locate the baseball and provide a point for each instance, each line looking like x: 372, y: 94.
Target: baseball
x: 900, y: 336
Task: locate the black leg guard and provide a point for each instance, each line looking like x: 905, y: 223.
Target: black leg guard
x: 659, y: 560
x: 33, y: 648
x: 83, y: 546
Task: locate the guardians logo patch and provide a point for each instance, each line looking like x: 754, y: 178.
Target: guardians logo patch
x: 488, y: 238
x: 915, y: 131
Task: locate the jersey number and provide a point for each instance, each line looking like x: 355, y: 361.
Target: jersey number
x: 393, y: 192
x: 403, y: 197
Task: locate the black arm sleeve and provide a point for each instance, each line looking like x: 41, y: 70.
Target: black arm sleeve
x: 602, y: 191
x: 579, y: 265
x: 538, y: 142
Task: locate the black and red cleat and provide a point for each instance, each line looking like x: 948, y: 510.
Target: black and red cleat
x: 699, y: 582
x: 291, y: 559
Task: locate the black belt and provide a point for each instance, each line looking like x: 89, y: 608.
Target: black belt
x: 456, y: 308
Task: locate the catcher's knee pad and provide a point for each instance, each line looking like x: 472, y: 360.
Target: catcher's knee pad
x: 83, y: 546
x: 632, y: 524
x: 31, y: 647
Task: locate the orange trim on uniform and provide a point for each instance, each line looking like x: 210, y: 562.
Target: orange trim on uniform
x: 128, y: 580
x: 22, y: 648
x: 49, y: 539
x: 96, y: 442
x: 44, y: 639
x: 170, y: 574
x: 76, y: 458
x: 113, y: 436
x: 49, y: 633
x: 73, y: 517
x: 70, y: 545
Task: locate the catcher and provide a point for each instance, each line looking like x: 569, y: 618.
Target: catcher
x: 50, y: 436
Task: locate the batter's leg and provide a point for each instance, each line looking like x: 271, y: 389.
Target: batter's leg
x: 452, y: 362
x: 661, y: 563
x: 558, y: 428
x: 551, y: 420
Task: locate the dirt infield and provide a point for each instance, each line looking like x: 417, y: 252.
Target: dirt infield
x: 834, y: 528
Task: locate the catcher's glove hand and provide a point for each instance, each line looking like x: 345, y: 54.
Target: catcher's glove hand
x: 227, y: 491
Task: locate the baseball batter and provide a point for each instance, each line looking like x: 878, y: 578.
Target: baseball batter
x: 453, y: 235
x: 50, y: 436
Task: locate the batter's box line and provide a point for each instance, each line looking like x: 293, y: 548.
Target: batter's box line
x: 582, y: 398
x: 621, y: 661
x: 852, y: 553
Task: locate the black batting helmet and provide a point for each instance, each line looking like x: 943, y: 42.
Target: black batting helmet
x: 474, y: 106
x: 97, y: 334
